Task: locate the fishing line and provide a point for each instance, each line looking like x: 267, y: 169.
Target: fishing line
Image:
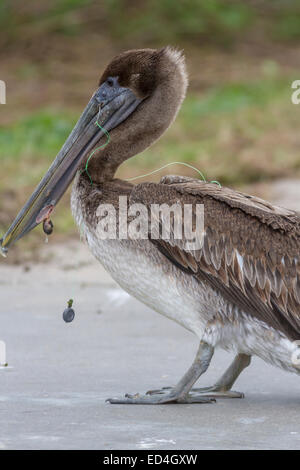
x: 174, y: 163
x: 141, y: 176
x: 96, y: 149
x: 69, y: 313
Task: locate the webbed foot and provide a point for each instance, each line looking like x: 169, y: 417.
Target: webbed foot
x: 207, y: 392
x: 161, y: 398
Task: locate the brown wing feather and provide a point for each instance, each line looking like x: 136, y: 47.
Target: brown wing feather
x: 250, y: 251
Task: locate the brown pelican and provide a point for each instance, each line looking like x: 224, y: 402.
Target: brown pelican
x: 239, y: 291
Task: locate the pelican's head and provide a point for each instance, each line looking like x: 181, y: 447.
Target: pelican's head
x: 139, y: 95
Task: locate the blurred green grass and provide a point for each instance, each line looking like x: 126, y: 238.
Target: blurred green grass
x: 216, y: 21
x: 31, y: 143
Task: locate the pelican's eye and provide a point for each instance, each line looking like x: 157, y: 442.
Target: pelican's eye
x: 110, y: 81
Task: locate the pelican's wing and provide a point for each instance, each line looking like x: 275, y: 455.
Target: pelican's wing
x: 250, y: 250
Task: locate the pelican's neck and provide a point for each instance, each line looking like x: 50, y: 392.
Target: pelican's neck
x: 150, y: 120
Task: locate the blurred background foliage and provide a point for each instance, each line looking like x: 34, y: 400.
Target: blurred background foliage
x: 216, y: 21
x: 237, y: 125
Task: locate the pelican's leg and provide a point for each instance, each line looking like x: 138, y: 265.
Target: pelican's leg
x: 180, y: 393
x: 222, y: 388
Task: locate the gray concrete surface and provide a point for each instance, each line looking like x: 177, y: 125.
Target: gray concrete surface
x: 52, y: 395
